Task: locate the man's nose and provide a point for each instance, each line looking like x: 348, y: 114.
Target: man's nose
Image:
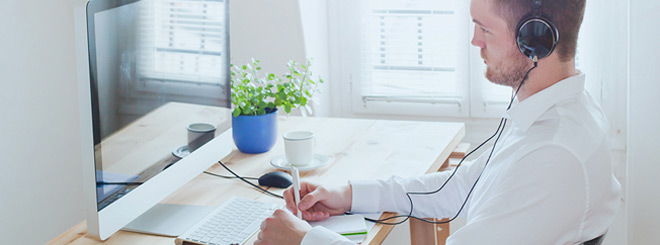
x: 477, y: 41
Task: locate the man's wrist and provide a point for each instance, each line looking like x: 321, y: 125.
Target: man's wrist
x: 348, y: 196
x: 302, y: 233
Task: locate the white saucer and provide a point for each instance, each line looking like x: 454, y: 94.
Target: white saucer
x: 317, y: 162
x: 181, y: 151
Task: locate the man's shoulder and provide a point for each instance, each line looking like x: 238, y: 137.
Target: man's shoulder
x: 578, y: 125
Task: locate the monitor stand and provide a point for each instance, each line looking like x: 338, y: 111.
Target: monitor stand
x: 168, y: 219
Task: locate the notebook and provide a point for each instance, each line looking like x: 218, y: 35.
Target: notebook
x: 352, y: 227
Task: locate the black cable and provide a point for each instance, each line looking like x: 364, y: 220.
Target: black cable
x: 229, y: 177
x: 100, y: 183
x: 250, y: 183
x: 498, y: 132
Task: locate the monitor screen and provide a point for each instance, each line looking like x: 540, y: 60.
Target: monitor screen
x: 144, y: 55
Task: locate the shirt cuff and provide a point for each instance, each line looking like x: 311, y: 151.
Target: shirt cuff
x: 321, y: 235
x: 365, y: 196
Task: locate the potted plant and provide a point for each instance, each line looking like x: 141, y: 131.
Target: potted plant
x: 256, y: 100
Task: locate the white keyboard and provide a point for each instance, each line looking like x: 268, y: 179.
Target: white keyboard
x: 233, y: 222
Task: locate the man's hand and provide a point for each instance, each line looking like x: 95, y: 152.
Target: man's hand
x: 282, y: 228
x: 319, y: 203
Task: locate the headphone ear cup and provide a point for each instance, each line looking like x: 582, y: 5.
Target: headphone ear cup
x: 536, y: 37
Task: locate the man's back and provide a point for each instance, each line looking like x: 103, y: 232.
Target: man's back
x: 550, y: 179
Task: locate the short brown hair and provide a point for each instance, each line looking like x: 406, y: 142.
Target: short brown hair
x: 566, y: 14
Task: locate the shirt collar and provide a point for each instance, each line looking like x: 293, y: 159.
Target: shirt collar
x: 525, y: 113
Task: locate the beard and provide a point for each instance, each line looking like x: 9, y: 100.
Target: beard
x: 509, y: 71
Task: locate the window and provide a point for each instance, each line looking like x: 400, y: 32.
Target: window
x: 414, y: 58
x: 186, y: 44
x: 406, y: 57
x: 409, y: 58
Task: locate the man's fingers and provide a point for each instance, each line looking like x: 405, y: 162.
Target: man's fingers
x: 312, y: 198
x: 288, y: 197
x: 315, y: 216
x: 306, y: 187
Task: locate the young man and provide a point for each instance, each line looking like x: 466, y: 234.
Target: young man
x: 549, y: 180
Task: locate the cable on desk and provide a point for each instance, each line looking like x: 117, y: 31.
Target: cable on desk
x: 250, y: 183
x: 100, y: 183
x: 229, y: 177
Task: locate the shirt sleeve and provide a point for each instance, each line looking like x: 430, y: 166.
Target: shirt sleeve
x: 390, y: 195
x: 540, y: 200
x: 319, y: 235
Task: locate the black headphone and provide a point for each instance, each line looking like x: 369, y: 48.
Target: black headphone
x: 536, y: 35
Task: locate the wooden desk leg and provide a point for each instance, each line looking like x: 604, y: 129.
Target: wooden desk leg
x: 421, y: 232
x: 441, y: 232
x: 426, y: 233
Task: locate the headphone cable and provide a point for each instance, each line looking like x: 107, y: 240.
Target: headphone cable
x: 498, y: 132
x: 246, y: 181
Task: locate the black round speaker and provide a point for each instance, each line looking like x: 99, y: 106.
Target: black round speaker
x: 537, y: 37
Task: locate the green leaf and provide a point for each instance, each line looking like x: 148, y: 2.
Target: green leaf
x: 237, y: 112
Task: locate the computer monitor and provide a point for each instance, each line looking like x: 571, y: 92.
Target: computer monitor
x: 149, y: 60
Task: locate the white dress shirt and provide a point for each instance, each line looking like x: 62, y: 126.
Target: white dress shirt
x: 549, y: 181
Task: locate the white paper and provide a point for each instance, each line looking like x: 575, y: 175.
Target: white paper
x: 343, y: 224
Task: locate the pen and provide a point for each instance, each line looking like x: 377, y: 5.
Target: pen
x: 296, y: 189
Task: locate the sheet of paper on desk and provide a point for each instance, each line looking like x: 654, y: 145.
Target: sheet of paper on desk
x: 353, y: 227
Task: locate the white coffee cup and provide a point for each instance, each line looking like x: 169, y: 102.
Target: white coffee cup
x: 299, y: 147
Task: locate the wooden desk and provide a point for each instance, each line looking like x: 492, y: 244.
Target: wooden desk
x: 360, y: 149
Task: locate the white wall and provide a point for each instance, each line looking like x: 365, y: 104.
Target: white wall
x: 643, y: 124
x: 40, y: 175
x: 269, y: 31
x: 314, y: 19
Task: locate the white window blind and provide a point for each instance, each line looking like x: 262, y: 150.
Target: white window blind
x: 411, y: 53
x: 184, y: 41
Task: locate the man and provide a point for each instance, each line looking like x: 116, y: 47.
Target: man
x: 549, y: 180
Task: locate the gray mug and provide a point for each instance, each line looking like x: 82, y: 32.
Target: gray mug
x: 199, y: 134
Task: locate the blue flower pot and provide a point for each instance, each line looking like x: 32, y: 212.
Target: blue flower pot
x: 255, y: 134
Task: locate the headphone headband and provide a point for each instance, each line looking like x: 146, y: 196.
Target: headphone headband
x: 537, y: 7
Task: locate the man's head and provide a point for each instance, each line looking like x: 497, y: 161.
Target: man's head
x: 495, y: 28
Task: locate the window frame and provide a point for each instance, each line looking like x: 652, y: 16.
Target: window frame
x: 347, y: 48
